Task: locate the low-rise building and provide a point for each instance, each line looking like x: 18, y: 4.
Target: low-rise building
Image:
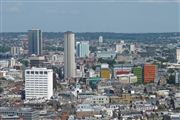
x: 105, y: 73
x: 3, y: 74
x: 36, y: 61
x: 177, y: 104
x: 163, y: 93
x: 24, y: 113
x: 85, y: 95
x: 17, y: 74
x: 97, y: 100
x: 4, y: 63
x: 127, y: 78
x: 85, y: 110
x: 123, y: 99
x: 105, y: 54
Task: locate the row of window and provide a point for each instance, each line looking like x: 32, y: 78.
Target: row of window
x: 45, y: 80
x: 37, y: 93
x: 12, y: 113
x: 98, y: 102
x: 100, y: 98
x: 36, y: 72
x: 35, y: 78
x: 41, y: 80
x: 36, y: 84
x: 35, y: 81
x: 29, y: 96
x: 30, y: 89
x: 36, y: 88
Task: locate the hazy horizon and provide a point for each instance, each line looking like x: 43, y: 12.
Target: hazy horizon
x: 93, y: 32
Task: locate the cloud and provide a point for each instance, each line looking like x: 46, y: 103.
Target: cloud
x: 11, y: 7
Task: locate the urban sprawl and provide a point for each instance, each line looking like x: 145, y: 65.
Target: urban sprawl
x: 89, y: 76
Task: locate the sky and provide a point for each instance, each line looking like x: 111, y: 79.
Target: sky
x: 122, y: 16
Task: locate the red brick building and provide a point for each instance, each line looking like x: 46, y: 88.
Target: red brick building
x: 150, y: 72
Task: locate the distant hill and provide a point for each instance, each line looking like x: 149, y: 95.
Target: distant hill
x: 143, y: 37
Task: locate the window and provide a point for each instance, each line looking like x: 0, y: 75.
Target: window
x: 32, y: 72
x: 27, y: 72
x: 41, y: 72
x: 36, y: 72
x: 45, y: 72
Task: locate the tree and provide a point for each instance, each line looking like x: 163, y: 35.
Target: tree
x: 53, y: 48
x: 92, y: 49
x: 171, y: 79
x: 25, y: 62
x: 4, y: 48
x: 93, y: 67
x: 170, y: 71
x: 2, y: 78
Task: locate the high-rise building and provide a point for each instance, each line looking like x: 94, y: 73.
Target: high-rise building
x: 35, y: 42
x: 100, y: 39
x: 138, y: 71
x: 69, y: 55
x: 150, y: 73
x: 38, y: 83
x: 83, y: 49
x: 16, y: 51
x: 178, y: 54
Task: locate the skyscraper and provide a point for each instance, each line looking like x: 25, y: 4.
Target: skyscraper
x: 35, y: 41
x: 83, y: 49
x: 69, y: 55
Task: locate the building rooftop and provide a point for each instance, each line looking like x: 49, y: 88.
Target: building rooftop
x: 16, y: 109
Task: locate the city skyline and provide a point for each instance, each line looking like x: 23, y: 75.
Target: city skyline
x: 87, y: 16
x: 90, y: 59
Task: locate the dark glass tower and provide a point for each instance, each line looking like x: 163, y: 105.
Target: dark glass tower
x: 35, y: 42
